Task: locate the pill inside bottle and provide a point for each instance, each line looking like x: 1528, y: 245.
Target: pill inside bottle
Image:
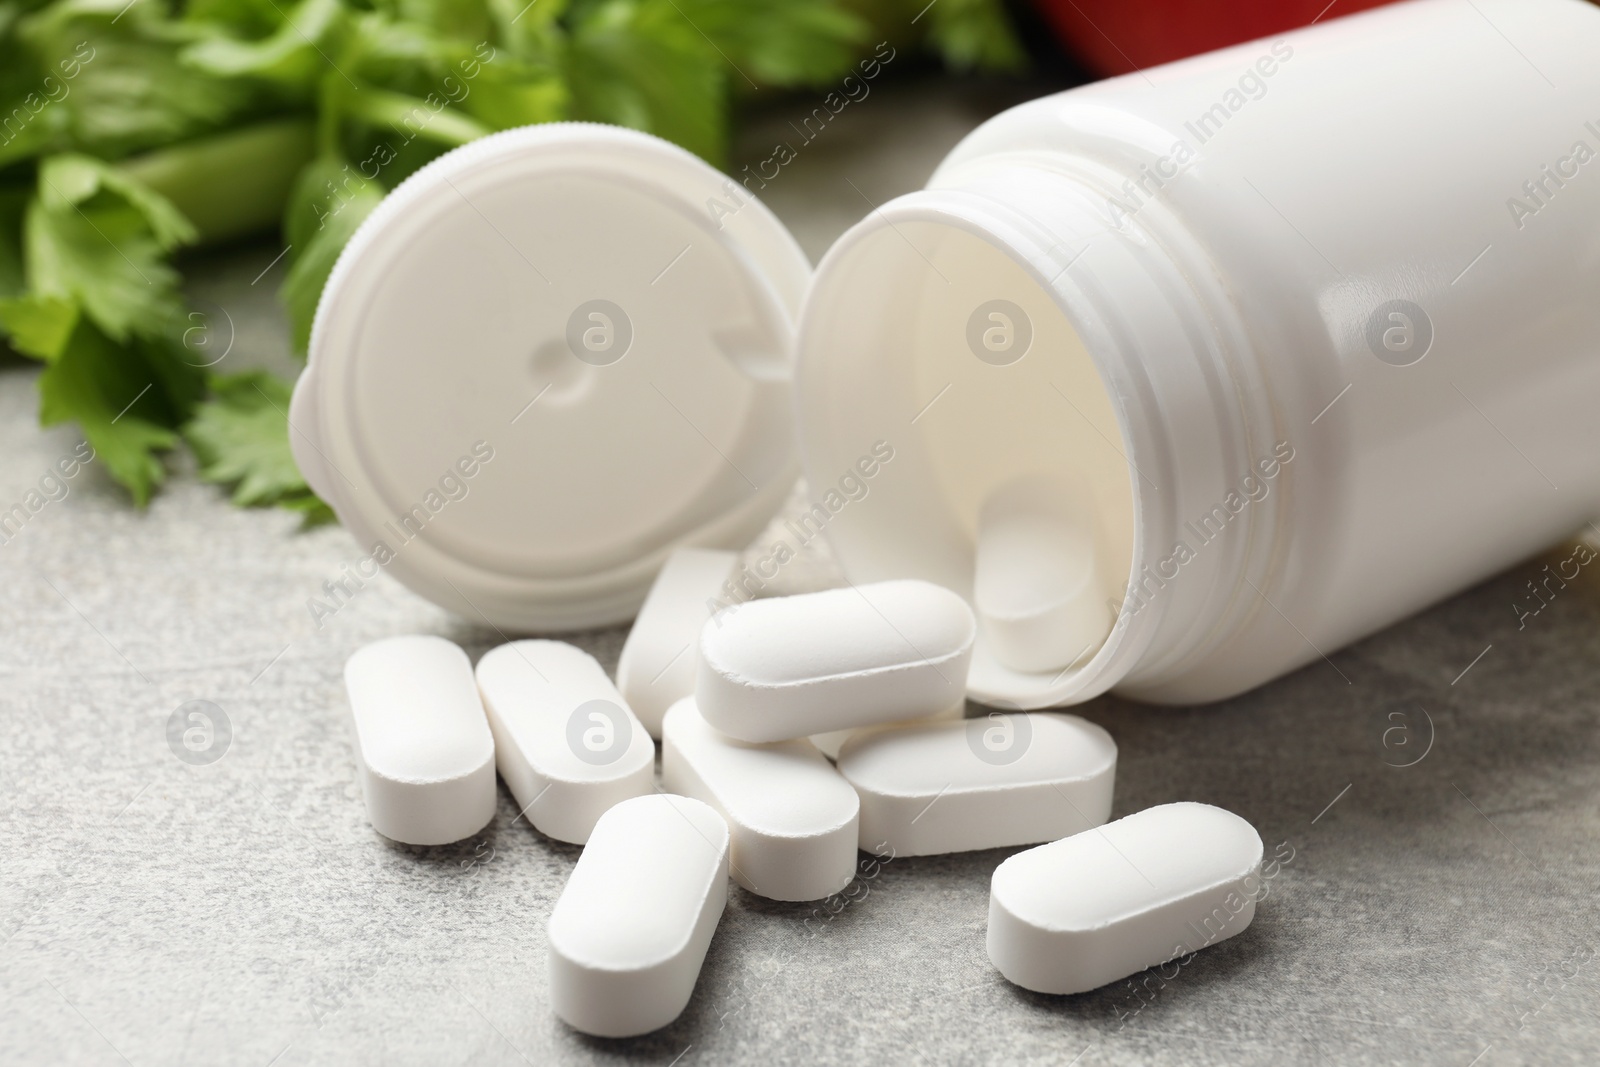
x: 1040, y: 595
x: 1011, y: 460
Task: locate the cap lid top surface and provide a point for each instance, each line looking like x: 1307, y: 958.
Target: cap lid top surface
x: 547, y: 359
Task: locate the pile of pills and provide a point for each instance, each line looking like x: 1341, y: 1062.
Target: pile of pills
x: 795, y: 731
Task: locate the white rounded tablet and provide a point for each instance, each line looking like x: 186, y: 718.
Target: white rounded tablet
x: 565, y: 741
x: 1037, y: 588
x: 792, y: 666
x: 990, y: 782
x: 425, y: 752
x: 631, y: 928
x: 662, y: 653
x: 1076, y: 914
x: 792, y: 817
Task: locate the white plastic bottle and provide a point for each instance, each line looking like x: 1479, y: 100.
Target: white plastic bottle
x: 1312, y: 324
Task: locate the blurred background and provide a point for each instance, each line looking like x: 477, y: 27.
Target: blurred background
x: 177, y: 179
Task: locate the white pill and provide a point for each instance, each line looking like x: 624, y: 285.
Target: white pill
x: 831, y: 742
x: 565, y: 741
x: 990, y: 782
x: 792, y: 817
x: 662, y: 653
x: 1038, y: 592
x: 1076, y: 914
x: 425, y: 753
x: 787, y: 667
x: 631, y: 928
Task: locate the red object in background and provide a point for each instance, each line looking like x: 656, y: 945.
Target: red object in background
x: 1117, y: 36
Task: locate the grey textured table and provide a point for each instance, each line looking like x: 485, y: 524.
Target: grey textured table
x: 243, y: 912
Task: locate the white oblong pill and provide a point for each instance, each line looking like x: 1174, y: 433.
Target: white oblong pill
x: 990, y: 782
x: 792, y: 817
x: 1076, y: 914
x: 425, y: 752
x: 1037, y: 587
x: 831, y: 742
x: 630, y: 930
x: 787, y: 667
x: 565, y: 741
x: 662, y: 653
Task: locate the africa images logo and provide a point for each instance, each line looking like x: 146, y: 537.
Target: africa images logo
x: 999, y: 332
x: 599, y: 732
x: 599, y: 332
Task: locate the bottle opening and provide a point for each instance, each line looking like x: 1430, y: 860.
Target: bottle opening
x: 932, y: 341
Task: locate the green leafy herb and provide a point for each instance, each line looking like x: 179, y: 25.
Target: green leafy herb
x: 241, y: 437
x: 127, y: 399
x: 100, y: 298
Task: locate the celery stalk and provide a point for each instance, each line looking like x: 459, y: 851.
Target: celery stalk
x: 231, y: 184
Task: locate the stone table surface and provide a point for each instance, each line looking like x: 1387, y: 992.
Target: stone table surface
x: 243, y: 911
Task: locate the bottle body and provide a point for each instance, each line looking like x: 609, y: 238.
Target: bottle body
x: 1338, y: 289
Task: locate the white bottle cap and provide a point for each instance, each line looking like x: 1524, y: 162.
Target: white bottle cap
x: 545, y: 361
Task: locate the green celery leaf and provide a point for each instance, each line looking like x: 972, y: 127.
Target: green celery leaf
x: 294, y: 55
x: 399, y: 55
x: 116, y: 395
x: 319, y: 187
x: 799, y: 42
x: 313, y: 510
x: 100, y: 238
x: 509, y: 93
x: 503, y: 99
x: 30, y: 121
x: 492, y: 84
x: 528, y: 28
x: 178, y: 370
x: 71, y: 180
x: 499, y: 85
x: 461, y: 20
x: 39, y: 326
x: 640, y: 63
x: 119, y: 275
x: 249, y: 19
x: 241, y: 437
x: 120, y: 85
